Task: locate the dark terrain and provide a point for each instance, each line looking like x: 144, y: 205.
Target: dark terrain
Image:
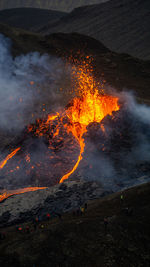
x: 122, y: 26
x: 28, y: 18
x: 62, y: 5
x: 82, y: 241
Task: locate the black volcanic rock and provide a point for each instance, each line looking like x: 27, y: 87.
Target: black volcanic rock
x: 57, y: 199
x: 81, y: 240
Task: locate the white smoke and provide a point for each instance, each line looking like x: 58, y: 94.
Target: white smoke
x: 141, y: 111
x: 26, y: 82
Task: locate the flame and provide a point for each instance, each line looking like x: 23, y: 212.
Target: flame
x: 56, y: 133
x: 90, y: 108
x: 19, y: 191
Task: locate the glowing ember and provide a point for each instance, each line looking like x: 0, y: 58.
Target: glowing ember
x: 89, y: 105
x: 90, y: 108
x: 28, y: 158
x: 32, y: 82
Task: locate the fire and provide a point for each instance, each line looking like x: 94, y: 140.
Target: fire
x: 89, y: 105
x: 90, y: 108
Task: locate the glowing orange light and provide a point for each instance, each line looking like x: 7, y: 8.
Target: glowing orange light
x: 19, y: 191
x: 89, y: 105
x: 3, y: 162
x: 32, y: 82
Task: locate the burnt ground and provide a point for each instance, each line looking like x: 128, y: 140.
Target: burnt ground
x: 81, y: 240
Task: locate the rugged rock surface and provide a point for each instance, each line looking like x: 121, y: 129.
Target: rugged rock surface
x: 58, y: 199
x: 122, y: 26
x: 82, y: 240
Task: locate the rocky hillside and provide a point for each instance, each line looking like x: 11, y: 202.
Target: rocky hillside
x: 57, y: 199
x: 120, y: 71
x: 122, y: 26
x: 29, y: 18
x: 81, y: 240
x: 62, y: 5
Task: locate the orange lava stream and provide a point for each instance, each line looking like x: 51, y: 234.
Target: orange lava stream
x: 3, y: 162
x: 81, y: 142
x: 10, y: 193
x: 92, y: 107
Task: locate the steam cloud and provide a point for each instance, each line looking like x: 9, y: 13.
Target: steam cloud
x: 117, y: 157
x: 19, y: 96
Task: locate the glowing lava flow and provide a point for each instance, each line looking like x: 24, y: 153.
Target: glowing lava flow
x: 10, y: 193
x: 17, y: 191
x: 80, y: 139
x: 90, y: 105
x: 85, y: 110
x: 4, y: 162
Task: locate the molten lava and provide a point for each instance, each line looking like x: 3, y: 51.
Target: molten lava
x: 90, y: 108
x: 89, y: 105
x: 10, y: 193
x: 4, y: 162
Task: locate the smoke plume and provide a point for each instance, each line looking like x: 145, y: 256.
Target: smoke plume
x: 26, y: 83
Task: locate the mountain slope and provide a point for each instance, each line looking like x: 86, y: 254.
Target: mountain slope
x: 120, y: 71
x: 77, y: 240
x: 123, y: 26
x: 63, y: 5
x: 28, y: 18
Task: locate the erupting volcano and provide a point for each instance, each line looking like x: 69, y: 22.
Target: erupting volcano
x: 89, y: 104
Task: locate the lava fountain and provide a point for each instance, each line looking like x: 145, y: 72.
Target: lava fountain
x: 90, y: 104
